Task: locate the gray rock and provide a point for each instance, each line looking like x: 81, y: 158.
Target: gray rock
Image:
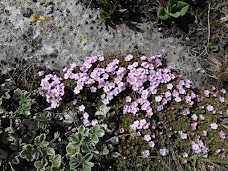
x: 65, y: 37
x: 26, y: 12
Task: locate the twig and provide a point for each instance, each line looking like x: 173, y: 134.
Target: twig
x: 11, y: 167
x: 208, y: 24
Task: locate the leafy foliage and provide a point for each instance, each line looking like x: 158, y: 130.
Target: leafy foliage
x: 174, y: 9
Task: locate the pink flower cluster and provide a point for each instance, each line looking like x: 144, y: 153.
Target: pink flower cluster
x: 85, y: 117
x: 198, y: 147
x: 140, y: 124
x: 164, y: 152
x: 52, y: 89
x: 154, y: 90
x: 99, y: 76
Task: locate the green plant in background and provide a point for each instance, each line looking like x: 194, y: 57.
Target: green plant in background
x: 82, y: 147
x: 213, y: 47
x: 42, y: 153
x: 111, y: 10
x: 174, y: 9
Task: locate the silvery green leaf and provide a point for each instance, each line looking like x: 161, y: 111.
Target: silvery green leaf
x: 116, y: 154
x: 55, y: 160
x: 106, y: 128
x: 50, y: 151
x: 103, y: 110
x: 104, y: 150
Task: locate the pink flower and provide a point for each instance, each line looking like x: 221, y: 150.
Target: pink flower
x: 211, y: 167
x: 128, y: 58
x: 221, y: 99
x: 94, y: 122
x: 158, y: 98
x: 115, y: 140
x: 194, y: 125
x: 168, y: 94
x: 147, y: 138
x: 222, y: 135
x: 201, y: 117
x: 85, y: 115
x: 121, y: 130
x: 169, y: 86
x: 143, y: 58
x: 218, y: 151
x: 223, y: 91
x: 206, y: 93
x: 183, y: 135
x: 160, y: 108
x: 204, y: 133
x: 101, y: 58
x: 40, y: 73
x: 151, y: 144
x: 194, y: 117
x: 185, y: 155
x: 128, y: 99
x: 196, y: 148
x: 81, y: 108
x: 177, y: 99
x: 214, y: 126
x: 210, y: 108
x: 186, y: 112
x: 145, y: 153
x: 75, y: 102
x: 164, y: 152
x: 93, y: 89
x: 86, y: 122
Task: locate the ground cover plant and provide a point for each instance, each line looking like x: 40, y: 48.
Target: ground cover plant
x: 113, y: 113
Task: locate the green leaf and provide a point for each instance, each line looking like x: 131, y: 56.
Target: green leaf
x: 183, y: 7
x: 81, y: 129
x: 74, y: 163
x: 40, y: 141
x: 161, y: 14
x: 89, y: 164
x: 50, y: 151
x: 16, y: 145
x: 95, y: 139
x: 225, y: 126
x: 172, y: 2
x: 27, y: 153
x: 86, y: 169
x: 75, y: 138
x: 88, y: 157
x: 41, y: 164
x: 103, y: 1
x: 213, y: 47
x: 84, y: 132
x: 104, y: 150
x: 100, y: 133
x: 72, y: 150
x: 16, y: 160
x: 175, y: 15
x: 55, y: 160
x: 85, y: 148
x: 95, y: 129
x: 17, y: 94
x: 80, y: 158
x: 103, y: 110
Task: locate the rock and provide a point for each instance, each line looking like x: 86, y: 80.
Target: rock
x: 26, y: 12
x: 50, y: 9
x: 2, y: 8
